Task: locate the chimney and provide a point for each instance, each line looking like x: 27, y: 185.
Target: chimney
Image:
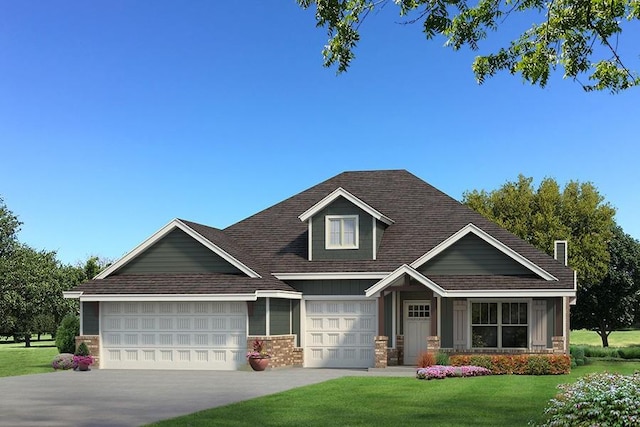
x: 560, y: 251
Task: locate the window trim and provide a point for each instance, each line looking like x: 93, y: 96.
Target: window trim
x: 499, y: 323
x: 327, y: 228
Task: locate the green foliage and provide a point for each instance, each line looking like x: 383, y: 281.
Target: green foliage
x: 524, y: 364
x: 442, y: 358
x: 580, y: 36
x: 66, y: 334
x: 629, y: 352
x: 82, y: 350
x: 9, y: 227
x: 577, y: 355
x: 597, y: 399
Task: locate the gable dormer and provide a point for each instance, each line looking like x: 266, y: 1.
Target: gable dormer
x: 343, y: 227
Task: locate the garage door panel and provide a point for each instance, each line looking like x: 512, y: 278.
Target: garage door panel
x: 178, y: 335
x: 340, y: 334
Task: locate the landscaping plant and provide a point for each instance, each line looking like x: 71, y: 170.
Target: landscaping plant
x: 599, y: 399
x: 426, y: 359
x: 63, y: 361
x: 67, y: 332
x: 440, y: 372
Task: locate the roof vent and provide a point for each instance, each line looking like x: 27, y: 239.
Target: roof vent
x: 560, y: 251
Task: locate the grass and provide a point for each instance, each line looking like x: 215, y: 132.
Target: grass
x: 616, y: 339
x: 15, y: 359
x: 506, y: 400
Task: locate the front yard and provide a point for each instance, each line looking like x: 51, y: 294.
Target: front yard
x: 15, y: 359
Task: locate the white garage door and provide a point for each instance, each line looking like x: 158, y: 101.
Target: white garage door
x: 340, y: 334
x: 173, y: 335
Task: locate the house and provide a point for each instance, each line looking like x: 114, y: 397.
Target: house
x: 362, y: 270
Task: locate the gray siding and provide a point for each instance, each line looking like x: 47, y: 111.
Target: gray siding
x: 551, y: 319
x: 90, y: 318
x: 258, y: 317
x: 380, y: 227
x: 473, y: 256
x: 446, y: 316
x: 332, y: 287
x: 295, y: 320
x: 342, y: 206
x: 388, y: 319
x: 177, y: 252
x: 279, y: 316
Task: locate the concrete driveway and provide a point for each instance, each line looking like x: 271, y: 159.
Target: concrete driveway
x: 132, y: 398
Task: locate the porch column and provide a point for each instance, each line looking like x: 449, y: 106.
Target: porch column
x: 381, y: 330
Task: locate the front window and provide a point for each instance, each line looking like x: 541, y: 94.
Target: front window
x: 499, y: 324
x: 342, y: 232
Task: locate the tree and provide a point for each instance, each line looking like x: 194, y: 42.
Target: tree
x: 577, y: 214
x: 9, y: 227
x: 610, y: 304
x: 581, y: 36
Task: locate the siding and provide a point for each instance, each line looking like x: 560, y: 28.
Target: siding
x: 446, y: 316
x: 473, y: 256
x: 258, y: 317
x: 279, y: 316
x: 388, y: 319
x: 177, y: 252
x: 380, y: 227
x: 90, y: 318
x: 342, y: 206
x: 332, y: 287
x: 295, y: 320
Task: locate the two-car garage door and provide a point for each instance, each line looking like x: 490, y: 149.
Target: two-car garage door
x: 174, y: 335
x: 340, y: 334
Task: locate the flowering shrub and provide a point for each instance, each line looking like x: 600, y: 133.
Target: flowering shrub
x: 523, y: 364
x: 63, y: 361
x: 82, y: 360
x: 440, y: 372
x: 597, y: 400
x: 258, y: 351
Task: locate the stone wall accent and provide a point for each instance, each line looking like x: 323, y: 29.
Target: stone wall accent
x: 558, y: 344
x: 282, y: 349
x: 400, y: 348
x: 381, y: 351
x: 392, y: 357
x: 433, y: 344
x: 93, y: 343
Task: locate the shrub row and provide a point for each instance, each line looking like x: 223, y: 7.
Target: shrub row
x: 582, y: 351
x: 428, y: 358
x: 523, y: 364
x: 440, y: 372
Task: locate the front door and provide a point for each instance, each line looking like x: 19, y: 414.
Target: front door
x: 417, y: 327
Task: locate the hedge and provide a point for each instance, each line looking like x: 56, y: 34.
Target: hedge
x: 522, y: 364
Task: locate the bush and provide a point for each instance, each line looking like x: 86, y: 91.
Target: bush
x: 442, y: 358
x: 629, y: 352
x: 596, y: 399
x: 63, y: 361
x: 426, y: 359
x: 66, y: 334
x: 524, y: 364
x: 592, y: 351
x: 440, y: 372
x: 578, y: 354
x: 82, y: 350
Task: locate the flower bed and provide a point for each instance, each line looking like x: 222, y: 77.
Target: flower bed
x: 440, y: 372
x: 524, y: 364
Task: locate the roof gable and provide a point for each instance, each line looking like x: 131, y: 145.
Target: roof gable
x: 341, y: 192
x: 166, y: 232
x: 495, y: 243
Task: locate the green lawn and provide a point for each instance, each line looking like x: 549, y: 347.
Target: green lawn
x: 508, y: 400
x: 15, y: 359
x: 616, y: 339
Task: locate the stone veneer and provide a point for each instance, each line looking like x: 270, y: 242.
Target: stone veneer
x: 558, y: 344
x: 282, y: 349
x: 93, y: 343
x: 381, y: 351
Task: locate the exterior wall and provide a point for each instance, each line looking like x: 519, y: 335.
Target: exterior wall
x: 177, y: 252
x: 380, y: 227
x: 90, y: 318
x: 472, y: 256
x: 446, y: 317
x: 342, y: 206
x: 332, y: 287
x: 381, y: 351
x: 295, y: 320
x: 257, y: 317
x: 388, y: 317
x: 282, y: 349
x: 279, y: 316
x: 93, y: 343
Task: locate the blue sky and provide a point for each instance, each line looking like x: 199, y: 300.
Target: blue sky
x: 118, y: 116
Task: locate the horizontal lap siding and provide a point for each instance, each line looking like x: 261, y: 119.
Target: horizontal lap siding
x: 280, y: 316
x: 473, y: 256
x: 177, y: 252
x: 332, y: 287
x: 90, y: 318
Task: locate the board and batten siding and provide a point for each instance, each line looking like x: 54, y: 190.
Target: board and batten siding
x: 258, y: 317
x: 472, y: 256
x: 342, y: 206
x: 446, y: 317
x: 279, y: 316
x: 90, y: 318
x: 177, y: 252
x: 332, y: 287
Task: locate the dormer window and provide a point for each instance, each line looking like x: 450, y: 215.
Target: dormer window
x: 342, y: 231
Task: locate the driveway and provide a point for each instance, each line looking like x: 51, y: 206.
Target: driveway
x: 132, y: 398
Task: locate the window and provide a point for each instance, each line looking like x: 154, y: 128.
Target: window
x: 507, y: 330
x: 342, y: 232
x: 418, y: 311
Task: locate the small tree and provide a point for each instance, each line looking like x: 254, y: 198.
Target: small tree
x: 66, y: 334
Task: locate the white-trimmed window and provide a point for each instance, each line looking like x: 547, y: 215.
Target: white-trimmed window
x: 499, y: 324
x: 342, y: 231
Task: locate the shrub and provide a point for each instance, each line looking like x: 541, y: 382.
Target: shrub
x: 82, y: 350
x: 442, y: 358
x: 426, y: 359
x: 66, y: 334
x: 596, y: 399
x: 629, y: 352
x: 578, y: 354
x: 524, y: 364
x: 63, y: 361
x: 592, y: 351
x: 441, y: 372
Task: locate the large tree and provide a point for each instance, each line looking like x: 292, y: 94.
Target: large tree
x: 577, y: 213
x: 610, y: 304
x: 581, y: 36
